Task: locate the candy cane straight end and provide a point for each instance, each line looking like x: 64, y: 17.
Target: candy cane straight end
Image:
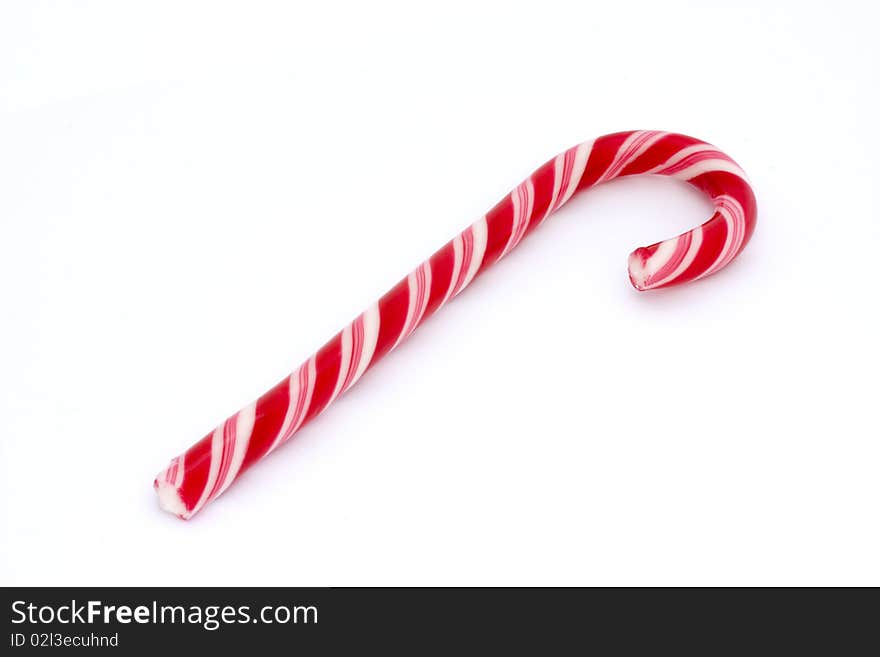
x: 169, y: 486
x: 210, y: 466
x: 169, y: 498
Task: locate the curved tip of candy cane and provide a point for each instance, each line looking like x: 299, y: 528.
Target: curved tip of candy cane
x: 169, y: 497
x: 696, y: 253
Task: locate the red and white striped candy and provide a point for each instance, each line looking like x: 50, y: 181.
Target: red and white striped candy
x: 207, y: 468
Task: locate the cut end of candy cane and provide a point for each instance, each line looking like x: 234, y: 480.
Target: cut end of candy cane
x: 644, y: 264
x: 664, y: 263
x: 169, y: 498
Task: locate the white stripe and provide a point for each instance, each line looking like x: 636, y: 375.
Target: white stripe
x: 178, y: 476
x: 690, y: 254
x: 521, y: 213
x: 307, y: 402
x: 558, y: 169
x: 344, y: 363
x: 244, y: 427
x: 659, y: 258
x: 414, y: 313
x: 292, y: 421
x: 734, y: 217
x: 213, y: 468
x: 289, y: 416
x: 728, y: 240
x: 621, y: 159
x: 681, y: 155
x: 582, y: 154
x: 706, y: 166
x: 371, y: 336
x: 412, y: 285
x: 480, y: 233
x: 427, y: 297
x: 458, y: 254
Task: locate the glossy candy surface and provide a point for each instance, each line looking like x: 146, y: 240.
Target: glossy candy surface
x: 208, y: 468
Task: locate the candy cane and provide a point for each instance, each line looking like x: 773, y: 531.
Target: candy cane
x: 208, y: 468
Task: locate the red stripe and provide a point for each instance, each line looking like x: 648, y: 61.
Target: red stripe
x: 603, y: 152
x: 629, y: 155
x: 421, y: 290
x: 198, y: 463
x: 467, y: 247
x: 682, y: 244
x: 499, y: 226
x: 392, y: 315
x: 659, y: 152
x: 567, y: 167
x: 714, y: 236
x: 716, y: 183
x: 442, y: 264
x: 542, y: 193
x: 357, y: 350
x: 268, y: 418
x: 691, y: 160
x: 521, y: 217
x: 228, y: 436
x: 327, y: 364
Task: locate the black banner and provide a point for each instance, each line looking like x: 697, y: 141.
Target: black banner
x: 322, y: 621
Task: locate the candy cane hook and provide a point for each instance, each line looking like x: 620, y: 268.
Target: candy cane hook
x: 207, y: 468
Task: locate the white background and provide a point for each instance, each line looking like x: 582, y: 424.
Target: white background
x: 194, y: 197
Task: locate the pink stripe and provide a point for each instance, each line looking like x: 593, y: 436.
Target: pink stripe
x: 737, y: 227
x: 681, y: 248
x: 523, y: 212
x: 420, y: 291
x: 419, y: 306
x: 357, y: 347
x: 467, y: 242
x: 302, y: 394
x: 621, y: 160
x: 690, y: 160
x: 171, y: 472
x: 225, y: 455
x: 567, y: 167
